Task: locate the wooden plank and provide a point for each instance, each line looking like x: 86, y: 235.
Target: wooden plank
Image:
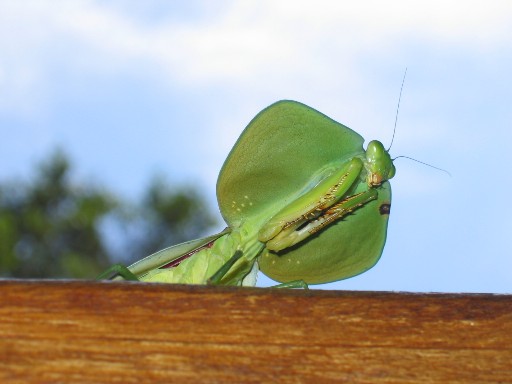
x: 84, y: 332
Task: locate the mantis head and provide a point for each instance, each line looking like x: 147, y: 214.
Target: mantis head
x: 378, y: 164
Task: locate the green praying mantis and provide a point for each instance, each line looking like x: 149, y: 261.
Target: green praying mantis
x: 303, y: 201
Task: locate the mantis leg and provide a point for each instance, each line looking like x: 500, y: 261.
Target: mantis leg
x: 311, y: 204
x: 217, y: 276
x: 241, y: 268
x: 117, y: 269
x: 317, y: 208
x: 301, y: 230
x: 293, y: 284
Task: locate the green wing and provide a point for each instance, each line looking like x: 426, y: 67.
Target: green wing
x: 167, y: 255
x: 344, y: 249
x: 285, y: 150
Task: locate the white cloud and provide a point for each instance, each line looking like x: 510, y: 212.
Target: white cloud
x: 245, y: 43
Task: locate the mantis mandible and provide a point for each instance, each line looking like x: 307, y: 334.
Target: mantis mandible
x: 303, y: 201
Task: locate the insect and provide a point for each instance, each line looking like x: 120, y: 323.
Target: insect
x: 303, y: 201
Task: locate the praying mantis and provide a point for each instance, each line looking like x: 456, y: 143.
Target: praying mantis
x: 303, y: 201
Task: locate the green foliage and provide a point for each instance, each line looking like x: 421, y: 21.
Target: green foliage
x: 53, y: 227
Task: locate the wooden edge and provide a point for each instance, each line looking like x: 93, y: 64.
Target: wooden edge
x: 80, y: 331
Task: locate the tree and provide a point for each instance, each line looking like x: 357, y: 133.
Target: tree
x: 52, y: 227
x: 168, y: 216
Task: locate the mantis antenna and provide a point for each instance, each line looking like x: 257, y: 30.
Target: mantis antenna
x: 397, y: 109
x: 427, y: 164
x: 394, y: 130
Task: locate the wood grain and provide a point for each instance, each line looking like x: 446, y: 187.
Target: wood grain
x: 85, y: 332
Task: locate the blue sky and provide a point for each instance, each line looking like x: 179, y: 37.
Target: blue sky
x: 130, y: 89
